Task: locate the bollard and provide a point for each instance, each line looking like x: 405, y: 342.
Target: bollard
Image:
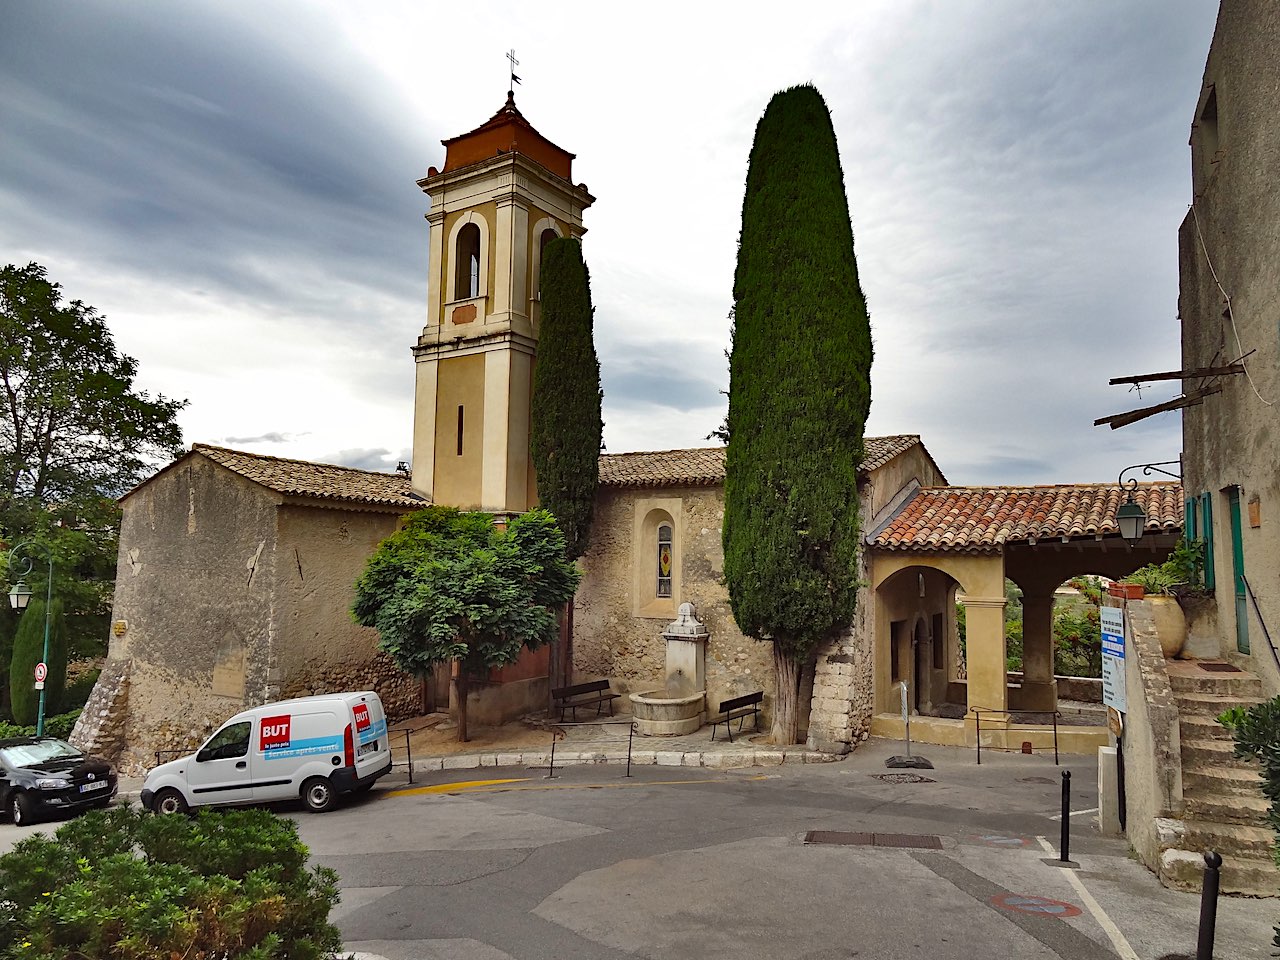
x: 1064, y: 848
x: 1208, y: 906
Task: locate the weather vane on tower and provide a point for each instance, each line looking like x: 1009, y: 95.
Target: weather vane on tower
x: 511, y: 55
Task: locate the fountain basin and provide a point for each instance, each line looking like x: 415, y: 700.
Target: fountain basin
x: 657, y: 713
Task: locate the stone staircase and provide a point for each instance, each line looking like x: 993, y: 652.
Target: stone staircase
x: 1224, y: 806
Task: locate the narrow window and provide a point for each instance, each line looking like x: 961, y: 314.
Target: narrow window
x: 459, y: 429
x: 547, y: 236
x: 664, y: 560
x: 467, y: 263
x: 938, y: 631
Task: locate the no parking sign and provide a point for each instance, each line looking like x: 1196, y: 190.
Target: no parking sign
x: 42, y: 671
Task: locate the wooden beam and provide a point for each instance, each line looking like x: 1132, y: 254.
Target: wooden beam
x: 1116, y: 421
x: 1183, y: 374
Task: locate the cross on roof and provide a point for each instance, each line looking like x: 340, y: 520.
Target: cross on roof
x: 511, y: 55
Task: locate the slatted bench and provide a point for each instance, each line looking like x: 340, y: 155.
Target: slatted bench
x: 584, y: 695
x: 739, y: 708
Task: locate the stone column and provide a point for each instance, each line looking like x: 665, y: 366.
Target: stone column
x: 1039, y: 691
x: 985, y: 653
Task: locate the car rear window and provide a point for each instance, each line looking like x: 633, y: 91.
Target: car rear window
x: 42, y: 751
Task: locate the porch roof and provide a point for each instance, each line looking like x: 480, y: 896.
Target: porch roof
x: 984, y: 519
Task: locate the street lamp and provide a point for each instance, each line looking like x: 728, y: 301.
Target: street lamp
x: 20, y: 596
x: 1130, y: 517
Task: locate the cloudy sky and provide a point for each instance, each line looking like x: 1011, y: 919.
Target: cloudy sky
x: 232, y: 185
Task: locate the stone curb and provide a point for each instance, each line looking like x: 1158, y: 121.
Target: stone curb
x: 642, y: 758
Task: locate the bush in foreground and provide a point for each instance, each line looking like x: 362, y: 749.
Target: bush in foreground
x: 123, y: 884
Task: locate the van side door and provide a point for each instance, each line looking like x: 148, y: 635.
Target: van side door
x: 220, y: 771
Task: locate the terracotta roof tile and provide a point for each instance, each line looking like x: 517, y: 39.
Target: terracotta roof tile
x: 324, y: 481
x: 983, y: 519
x: 704, y: 466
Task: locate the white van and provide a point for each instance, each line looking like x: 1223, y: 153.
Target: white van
x: 316, y: 748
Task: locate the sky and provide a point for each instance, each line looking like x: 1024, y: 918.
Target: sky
x: 234, y: 187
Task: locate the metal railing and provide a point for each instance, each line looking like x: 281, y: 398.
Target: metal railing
x: 181, y: 751
x: 979, y: 711
x: 558, y: 734
x: 408, y: 751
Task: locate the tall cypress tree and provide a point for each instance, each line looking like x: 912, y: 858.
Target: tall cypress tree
x: 28, y: 648
x: 565, y: 428
x: 799, y: 394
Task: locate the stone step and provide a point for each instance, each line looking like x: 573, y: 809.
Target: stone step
x: 1210, y: 705
x: 1224, y: 684
x: 1213, y: 753
x: 1184, y: 870
x: 1235, y: 841
x: 1227, y: 808
x: 1222, y: 781
x: 1195, y: 726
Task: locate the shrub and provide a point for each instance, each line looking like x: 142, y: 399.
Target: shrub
x: 1256, y: 731
x: 28, y: 649
x: 76, y: 695
x: 122, y: 883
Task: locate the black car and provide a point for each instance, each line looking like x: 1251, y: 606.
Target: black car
x: 40, y: 776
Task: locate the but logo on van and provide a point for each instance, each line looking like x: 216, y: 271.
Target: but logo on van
x: 275, y: 732
x: 362, y: 717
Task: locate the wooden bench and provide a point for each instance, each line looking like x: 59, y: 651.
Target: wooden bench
x: 584, y: 695
x: 739, y: 708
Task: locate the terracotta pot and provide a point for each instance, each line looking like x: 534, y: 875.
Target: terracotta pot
x: 1171, y: 624
x: 1126, y: 591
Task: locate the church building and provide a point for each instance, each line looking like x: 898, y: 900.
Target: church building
x: 236, y: 570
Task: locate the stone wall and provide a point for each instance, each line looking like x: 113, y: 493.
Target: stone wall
x: 611, y: 641
x: 99, y: 729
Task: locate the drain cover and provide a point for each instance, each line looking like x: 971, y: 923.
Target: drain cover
x: 839, y: 838
x: 1037, y: 780
x: 902, y: 778
x: 1220, y: 667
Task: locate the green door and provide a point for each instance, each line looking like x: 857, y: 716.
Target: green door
x: 1237, y: 572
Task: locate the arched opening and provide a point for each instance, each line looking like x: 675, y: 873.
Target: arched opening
x: 920, y: 643
x: 466, y: 283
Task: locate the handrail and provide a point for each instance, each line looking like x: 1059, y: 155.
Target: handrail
x: 557, y: 734
x: 408, y: 750
x: 977, y: 716
x: 1258, y: 611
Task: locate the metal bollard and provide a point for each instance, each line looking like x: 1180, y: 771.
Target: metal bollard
x: 1208, y: 906
x: 1064, y: 847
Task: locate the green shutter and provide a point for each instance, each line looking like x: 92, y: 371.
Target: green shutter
x: 1206, y: 512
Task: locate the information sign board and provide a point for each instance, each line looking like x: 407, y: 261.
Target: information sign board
x: 1113, y: 691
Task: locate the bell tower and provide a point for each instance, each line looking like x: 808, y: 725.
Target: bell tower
x: 504, y: 192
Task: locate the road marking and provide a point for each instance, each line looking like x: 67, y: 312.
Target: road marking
x: 492, y: 786
x: 1108, y: 925
x: 1075, y: 813
x: 448, y: 787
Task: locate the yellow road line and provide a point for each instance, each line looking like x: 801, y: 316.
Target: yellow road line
x: 492, y: 786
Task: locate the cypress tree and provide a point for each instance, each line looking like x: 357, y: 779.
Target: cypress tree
x: 28, y: 648
x: 564, y: 435
x: 565, y: 428
x: 799, y: 394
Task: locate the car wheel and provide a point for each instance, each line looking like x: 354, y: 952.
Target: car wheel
x: 168, y: 800
x: 22, y: 810
x: 318, y: 794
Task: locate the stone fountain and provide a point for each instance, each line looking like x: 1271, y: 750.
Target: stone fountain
x: 679, y: 707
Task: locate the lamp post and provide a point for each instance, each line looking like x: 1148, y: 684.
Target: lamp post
x: 19, y: 597
x: 1130, y: 517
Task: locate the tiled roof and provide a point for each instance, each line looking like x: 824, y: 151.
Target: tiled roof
x: 704, y: 466
x: 324, y: 481
x: 983, y: 519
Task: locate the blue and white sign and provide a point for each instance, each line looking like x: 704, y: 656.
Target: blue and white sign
x: 1113, y: 690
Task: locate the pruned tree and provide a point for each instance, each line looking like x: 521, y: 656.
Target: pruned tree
x: 565, y: 428
x: 799, y: 394
x: 28, y: 648
x: 453, y: 586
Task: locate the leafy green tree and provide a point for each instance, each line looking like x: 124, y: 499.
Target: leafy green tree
x: 565, y: 426
x: 120, y: 883
x: 456, y: 586
x: 28, y: 648
x: 799, y: 393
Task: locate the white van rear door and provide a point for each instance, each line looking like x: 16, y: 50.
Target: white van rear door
x: 371, y: 734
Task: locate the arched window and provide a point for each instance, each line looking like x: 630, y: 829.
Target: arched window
x: 547, y: 236
x: 664, y: 560
x: 466, y: 283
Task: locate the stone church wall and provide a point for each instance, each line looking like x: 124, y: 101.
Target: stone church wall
x: 192, y: 611
x: 610, y: 640
x: 320, y: 649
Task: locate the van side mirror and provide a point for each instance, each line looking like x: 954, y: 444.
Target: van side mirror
x: 206, y: 754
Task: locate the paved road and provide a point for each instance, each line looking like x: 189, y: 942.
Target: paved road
x: 683, y: 862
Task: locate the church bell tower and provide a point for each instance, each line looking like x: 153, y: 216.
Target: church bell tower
x: 504, y: 193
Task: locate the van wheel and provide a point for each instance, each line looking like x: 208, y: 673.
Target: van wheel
x: 168, y: 800
x: 22, y: 811
x: 317, y: 794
